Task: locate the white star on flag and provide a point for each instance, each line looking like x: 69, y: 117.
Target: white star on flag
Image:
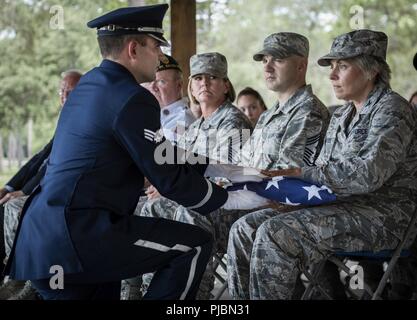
x: 287, y: 201
x: 313, y: 191
x: 289, y: 191
x: 274, y: 182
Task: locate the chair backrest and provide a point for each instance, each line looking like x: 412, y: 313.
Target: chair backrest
x: 391, y: 256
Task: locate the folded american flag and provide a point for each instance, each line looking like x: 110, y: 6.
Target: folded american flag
x: 290, y: 191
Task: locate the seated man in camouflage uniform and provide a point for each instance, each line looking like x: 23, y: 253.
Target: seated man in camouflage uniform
x: 288, y: 135
x: 368, y: 160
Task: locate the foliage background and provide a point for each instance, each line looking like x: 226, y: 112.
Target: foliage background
x: 33, y: 54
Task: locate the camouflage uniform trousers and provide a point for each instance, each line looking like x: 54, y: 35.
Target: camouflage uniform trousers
x: 218, y: 223
x: 12, y: 211
x: 242, y: 235
x: 268, y: 251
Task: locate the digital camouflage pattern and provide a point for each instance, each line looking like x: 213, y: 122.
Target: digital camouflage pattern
x: 371, y: 165
x: 288, y: 135
x: 282, y: 45
x: 12, y: 211
x: 239, y: 251
x: 355, y: 43
x: 288, y: 243
x: 220, y: 136
x: 225, y: 130
x: 373, y: 160
x: 299, y: 125
x: 212, y: 63
x: 217, y: 223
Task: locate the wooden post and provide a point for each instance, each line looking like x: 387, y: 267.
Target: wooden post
x: 183, y: 33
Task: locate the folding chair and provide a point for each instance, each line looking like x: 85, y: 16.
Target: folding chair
x: 339, y: 259
x: 220, y: 263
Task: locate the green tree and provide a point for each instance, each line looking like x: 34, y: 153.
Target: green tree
x: 238, y: 27
x: 398, y: 19
x: 41, y: 38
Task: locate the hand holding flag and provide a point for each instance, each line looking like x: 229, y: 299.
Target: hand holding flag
x: 283, y: 172
x: 287, y: 190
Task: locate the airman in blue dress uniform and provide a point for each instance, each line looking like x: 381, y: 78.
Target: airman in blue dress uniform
x: 80, y: 217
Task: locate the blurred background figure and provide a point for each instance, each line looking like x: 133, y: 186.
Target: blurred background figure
x: 176, y: 116
x: 413, y: 99
x: 167, y: 88
x: 69, y: 80
x: 14, y: 194
x: 250, y: 102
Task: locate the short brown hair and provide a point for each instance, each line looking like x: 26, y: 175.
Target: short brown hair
x: 112, y: 46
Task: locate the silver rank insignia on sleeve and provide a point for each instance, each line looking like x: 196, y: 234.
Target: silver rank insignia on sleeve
x: 154, y: 136
x: 159, y: 135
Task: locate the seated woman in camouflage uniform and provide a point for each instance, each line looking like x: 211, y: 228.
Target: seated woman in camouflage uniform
x: 368, y: 159
x: 218, y: 134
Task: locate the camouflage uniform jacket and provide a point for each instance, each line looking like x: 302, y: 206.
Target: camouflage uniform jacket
x: 220, y: 136
x: 371, y: 160
x: 288, y: 135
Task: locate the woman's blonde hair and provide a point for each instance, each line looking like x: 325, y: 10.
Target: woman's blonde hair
x: 230, y: 95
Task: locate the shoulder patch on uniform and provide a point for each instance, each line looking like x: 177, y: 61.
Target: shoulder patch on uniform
x: 159, y: 135
x: 153, y: 136
x: 149, y: 134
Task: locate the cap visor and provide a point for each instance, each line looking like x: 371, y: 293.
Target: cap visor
x: 209, y: 72
x: 161, y: 39
x: 325, y: 60
x: 271, y: 52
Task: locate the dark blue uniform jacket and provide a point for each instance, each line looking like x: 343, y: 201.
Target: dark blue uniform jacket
x: 102, y: 150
